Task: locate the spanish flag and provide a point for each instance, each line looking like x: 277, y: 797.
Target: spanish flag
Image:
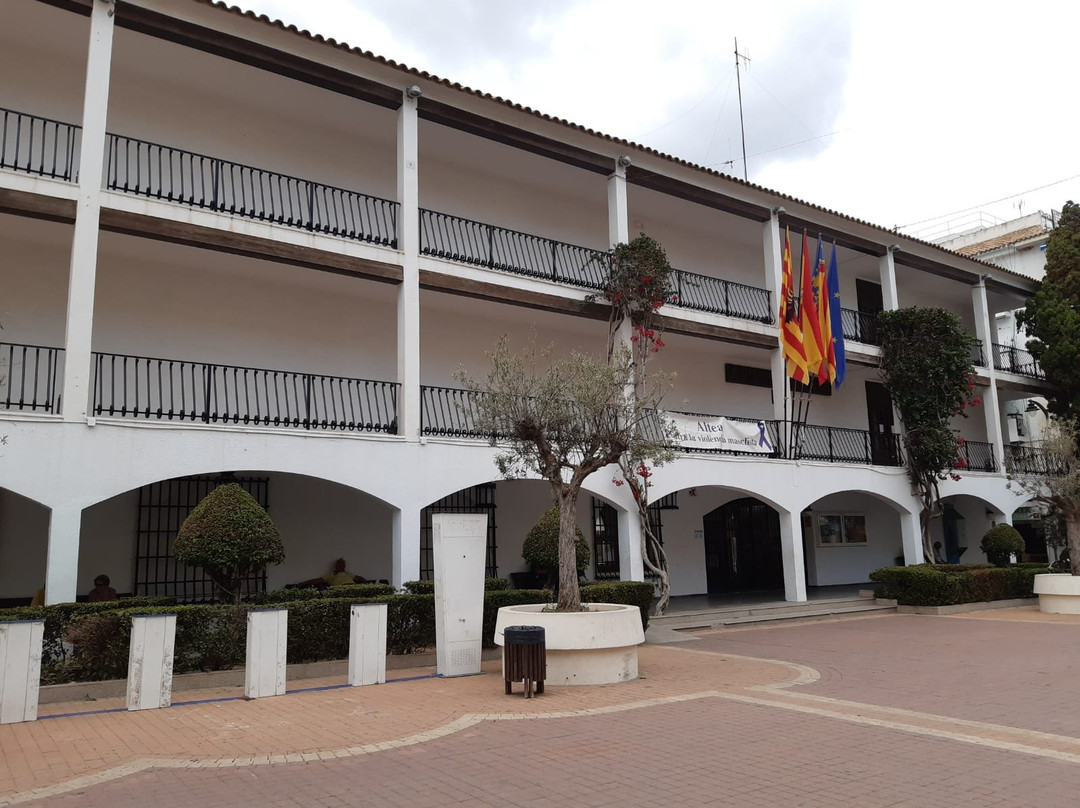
x: 810, y: 322
x: 791, y: 338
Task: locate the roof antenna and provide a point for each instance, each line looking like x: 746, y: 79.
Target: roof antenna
x: 742, y: 129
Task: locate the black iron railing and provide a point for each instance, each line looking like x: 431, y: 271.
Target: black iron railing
x: 173, y: 390
x: 836, y: 444
x: 706, y: 293
x: 1033, y: 460
x: 37, y: 145
x: 485, y: 245
x: 29, y: 377
x: 860, y: 326
x: 449, y: 411
x: 1016, y: 360
x: 978, y: 358
x: 974, y: 455
x: 176, y: 175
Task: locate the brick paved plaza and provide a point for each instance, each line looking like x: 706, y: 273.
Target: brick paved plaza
x: 895, y: 710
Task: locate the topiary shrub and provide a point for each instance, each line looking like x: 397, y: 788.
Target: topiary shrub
x: 541, y: 546
x: 1000, y: 542
x: 230, y: 536
x: 428, y: 587
x: 631, y: 593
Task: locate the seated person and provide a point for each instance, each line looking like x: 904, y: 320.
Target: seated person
x: 338, y: 577
x: 101, y: 591
x: 39, y: 598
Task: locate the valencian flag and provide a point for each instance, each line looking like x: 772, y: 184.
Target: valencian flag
x: 823, y: 300
x: 811, y: 323
x: 837, y: 351
x: 791, y: 338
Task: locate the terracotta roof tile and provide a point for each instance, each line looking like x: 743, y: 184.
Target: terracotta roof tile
x: 1015, y: 237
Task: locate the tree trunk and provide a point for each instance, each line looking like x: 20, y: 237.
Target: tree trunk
x: 569, y: 591
x: 1072, y: 533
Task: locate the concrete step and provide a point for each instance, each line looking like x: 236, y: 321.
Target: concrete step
x: 713, y: 618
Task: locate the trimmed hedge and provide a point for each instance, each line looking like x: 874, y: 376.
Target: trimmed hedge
x: 632, y: 593
x: 950, y: 584
x: 355, y: 591
x: 428, y: 587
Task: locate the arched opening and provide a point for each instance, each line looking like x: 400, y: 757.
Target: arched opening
x: 958, y: 531
x: 848, y: 535
x: 130, y: 536
x: 24, y: 542
x: 742, y: 548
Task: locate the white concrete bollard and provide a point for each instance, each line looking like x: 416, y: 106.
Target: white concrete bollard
x: 367, y: 644
x: 150, y: 661
x: 264, y: 671
x: 459, y: 542
x: 20, y: 670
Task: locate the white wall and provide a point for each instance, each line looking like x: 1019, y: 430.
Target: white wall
x: 852, y: 563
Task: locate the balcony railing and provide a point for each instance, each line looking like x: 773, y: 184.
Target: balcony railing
x: 835, y: 444
x: 36, y: 145
x: 29, y: 377
x: 173, y: 390
x: 978, y: 357
x: 449, y: 412
x: 860, y: 326
x: 175, y: 175
x: 1033, y: 460
x: 1016, y: 360
x: 719, y: 296
x: 485, y: 245
x: 973, y: 455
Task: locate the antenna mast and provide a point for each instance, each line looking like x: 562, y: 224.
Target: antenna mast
x: 742, y: 128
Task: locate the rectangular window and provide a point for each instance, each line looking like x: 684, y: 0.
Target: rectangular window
x: 836, y: 529
x: 744, y: 374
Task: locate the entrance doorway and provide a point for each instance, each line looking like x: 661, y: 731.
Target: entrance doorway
x: 884, y: 449
x: 742, y: 547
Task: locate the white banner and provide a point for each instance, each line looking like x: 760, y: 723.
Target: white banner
x: 696, y: 432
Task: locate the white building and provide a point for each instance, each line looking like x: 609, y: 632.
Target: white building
x: 232, y: 247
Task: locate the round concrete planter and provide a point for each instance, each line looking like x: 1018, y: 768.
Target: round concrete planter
x: 1059, y: 593
x: 596, y: 647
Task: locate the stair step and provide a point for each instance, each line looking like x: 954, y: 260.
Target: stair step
x: 727, y: 617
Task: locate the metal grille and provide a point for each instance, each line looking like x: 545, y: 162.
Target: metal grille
x: 974, y: 455
x: 175, y: 175
x: 29, y: 377
x: 478, y: 499
x: 1016, y: 360
x: 1021, y: 459
x: 716, y: 295
x: 860, y: 326
x: 606, y: 535
x: 163, y: 507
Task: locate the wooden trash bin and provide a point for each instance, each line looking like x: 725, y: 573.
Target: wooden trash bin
x: 524, y: 658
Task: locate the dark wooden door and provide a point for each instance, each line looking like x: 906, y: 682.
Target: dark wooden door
x: 879, y: 415
x: 868, y: 299
x: 742, y: 547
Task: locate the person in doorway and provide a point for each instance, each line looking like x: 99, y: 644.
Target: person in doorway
x: 338, y: 576
x: 39, y: 598
x: 101, y: 591
x: 939, y: 556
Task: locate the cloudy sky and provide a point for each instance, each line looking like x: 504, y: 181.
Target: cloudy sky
x: 930, y: 116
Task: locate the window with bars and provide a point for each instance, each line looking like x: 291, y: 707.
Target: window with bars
x: 606, y: 534
x: 163, y: 507
x: 478, y: 499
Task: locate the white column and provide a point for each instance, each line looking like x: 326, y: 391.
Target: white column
x: 62, y: 564
x: 82, y: 273
x: 631, y: 567
x: 367, y: 644
x: 264, y: 667
x: 791, y: 547
x: 406, y: 549
x: 20, y: 670
x: 150, y: 661
x: 774, y: 273
x: 984, y: 330
x: 618, y: 210
x: 459, y: 542
x: 408, y: 298
x: 911, y: 535
x: 887, y: 275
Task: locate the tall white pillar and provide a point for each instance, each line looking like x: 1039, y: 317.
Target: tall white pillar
x: 631, y: 567
x: 774, y: 272
x: 406, y: 546
x: 984, y: 330
x: 911, y: 536
x: 62, y: 563
x: 82, y: 274
x: 618, y: 209
x: 791, y: 548
x: 367, y: 644
x: 887, y: 275
x: 267, y: 640
x: 408, y: 298
x: 150, y: 661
